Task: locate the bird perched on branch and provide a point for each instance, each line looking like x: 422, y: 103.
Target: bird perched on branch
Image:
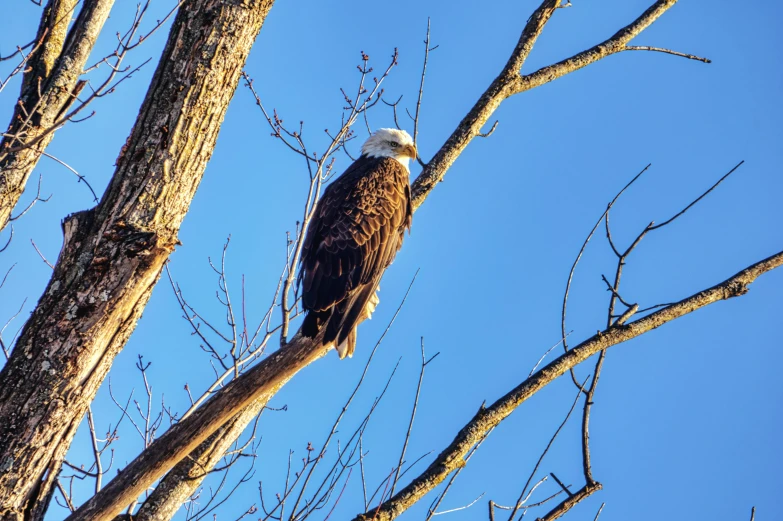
x: 355, y: 232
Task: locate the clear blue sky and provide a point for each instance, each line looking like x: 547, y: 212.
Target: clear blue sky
x: 687, y: 421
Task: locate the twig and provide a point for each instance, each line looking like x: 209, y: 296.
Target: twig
x: 521, y: 498
x: 10, y: 236
x: 565, y: 488
x: 667, y: 51
x: 67, y: 499
x: 490, y: 132
x: 579, y: 256
x: 427, y: 50
x: 95, y: 451
x: 339, y: 496
x: 36, y: 199
x: 41, y: 254
x: 413, y: 415
x: 464, y: 507
x: 702, y: 196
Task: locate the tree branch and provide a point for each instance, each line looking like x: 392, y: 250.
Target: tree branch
x: 572, y: 501
x: 666, y: 51
x: 48, y: 88
x: 486, y: 419
x: 511, y: 82
x: 471, y: 124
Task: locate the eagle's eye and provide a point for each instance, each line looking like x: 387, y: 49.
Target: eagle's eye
x: 393, y: 144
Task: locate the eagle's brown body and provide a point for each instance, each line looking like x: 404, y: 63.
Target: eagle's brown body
x: 354, y: 235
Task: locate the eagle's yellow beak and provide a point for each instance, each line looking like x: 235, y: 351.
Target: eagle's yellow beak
x: 410, y: 151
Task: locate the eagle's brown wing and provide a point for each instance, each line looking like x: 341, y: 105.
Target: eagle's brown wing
x: 354, y: 235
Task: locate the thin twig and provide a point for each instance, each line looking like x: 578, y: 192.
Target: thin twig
x: 41, y: 254
x: 427, y: 50
x: 702, y: 196
x: 578, y: 258
x: 667, y: 51
x: 521, y: 498
x: 413, y: 416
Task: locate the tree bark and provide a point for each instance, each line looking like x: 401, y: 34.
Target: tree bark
x: 183, y: 438
x: 112, y: 255
x: 186, y: 477
x: 48, y: 88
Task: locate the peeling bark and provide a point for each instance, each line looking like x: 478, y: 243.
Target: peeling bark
x: 112, y: 255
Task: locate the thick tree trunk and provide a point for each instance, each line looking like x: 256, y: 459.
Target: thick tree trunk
x: 47, y: 90
x: 113, y: 254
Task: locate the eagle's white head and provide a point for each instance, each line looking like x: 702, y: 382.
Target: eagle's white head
x: 390, y: 142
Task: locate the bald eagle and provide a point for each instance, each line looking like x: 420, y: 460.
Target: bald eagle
x: 355, y: 232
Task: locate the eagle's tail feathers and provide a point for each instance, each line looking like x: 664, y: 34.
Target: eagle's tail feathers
x: 340, y: 322
x: 360, y: 309
x: 348, y: 346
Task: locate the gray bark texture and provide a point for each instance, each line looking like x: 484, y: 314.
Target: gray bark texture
x: 112, y: 255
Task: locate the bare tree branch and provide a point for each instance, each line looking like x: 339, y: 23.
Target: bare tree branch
x: 522, y: 498
x: 49, y: 87
x: 666, y: 51
x: 471, y: 124
x: 187, y: 475
x: 486, y: 419
x: 572, y: 500
x: 510, y: 82
x: 413, y: 416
